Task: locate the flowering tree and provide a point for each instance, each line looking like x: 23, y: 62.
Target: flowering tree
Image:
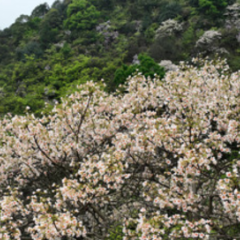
x: 159, y: 162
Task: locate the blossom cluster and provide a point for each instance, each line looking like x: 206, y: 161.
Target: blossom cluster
x: 160, y: 161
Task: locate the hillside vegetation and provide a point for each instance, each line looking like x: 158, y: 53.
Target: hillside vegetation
x: 110, y: 156
x: 45, y: 55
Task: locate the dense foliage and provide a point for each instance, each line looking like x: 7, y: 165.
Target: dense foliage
x: 45, y: 55
x: 160, y: 161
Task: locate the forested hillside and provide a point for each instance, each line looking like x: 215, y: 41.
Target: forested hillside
x: 153, y: 156
x: 45, y: 55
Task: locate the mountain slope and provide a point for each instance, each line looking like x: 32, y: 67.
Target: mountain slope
x: 45, y: 55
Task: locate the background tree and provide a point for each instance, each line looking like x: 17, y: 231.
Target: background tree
x: 40, y: 10
x: 82, y: 15
x: 49, y: 27
x: 32, y: 48
x: 212, y: 8
x: 147, y: 66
